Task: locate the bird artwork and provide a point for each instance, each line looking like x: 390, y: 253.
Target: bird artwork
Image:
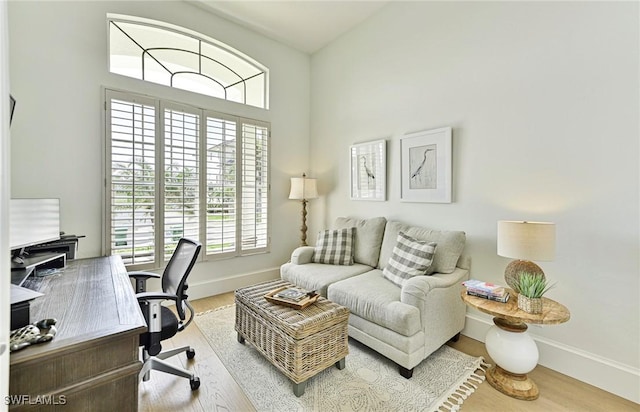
x: 422, y: 172
x: 370, y: 175
x: 421, y: 166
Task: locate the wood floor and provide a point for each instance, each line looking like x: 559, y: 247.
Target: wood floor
x: 219, y: 391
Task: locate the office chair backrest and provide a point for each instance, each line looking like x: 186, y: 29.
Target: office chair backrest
x: 175, y: 275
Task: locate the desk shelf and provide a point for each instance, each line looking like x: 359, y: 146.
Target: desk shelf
x: 40, y: 261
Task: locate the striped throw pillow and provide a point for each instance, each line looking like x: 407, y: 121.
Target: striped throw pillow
x: 335, y: 247
x: 410, y: 257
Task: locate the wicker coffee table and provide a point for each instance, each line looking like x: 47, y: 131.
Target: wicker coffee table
x: 300, y: 343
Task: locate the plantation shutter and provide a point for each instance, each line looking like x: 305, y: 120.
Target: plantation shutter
x: 255, y: 187
x: 181, y: 178
x: 179, y: 171
x: 132, y: 130
x: 221, y: 185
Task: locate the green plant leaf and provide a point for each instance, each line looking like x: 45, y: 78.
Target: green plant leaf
x: 532, y: 285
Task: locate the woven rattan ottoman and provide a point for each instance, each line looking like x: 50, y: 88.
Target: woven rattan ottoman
x: 300, y: 343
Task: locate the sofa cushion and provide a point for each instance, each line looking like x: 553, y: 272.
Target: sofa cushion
x: 450, y: 245
x: 318, y: 276
x: 368, y: 238
x: 335, y: 247
x: 372, y: 297
x: 410, y: 257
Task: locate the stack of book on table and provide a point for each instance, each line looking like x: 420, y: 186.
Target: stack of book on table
x: 294, y: 294
x: 292, y: 297
x: 486, y: 290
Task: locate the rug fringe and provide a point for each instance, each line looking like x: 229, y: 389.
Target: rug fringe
x: 452, y: 401
x: 215, y: 310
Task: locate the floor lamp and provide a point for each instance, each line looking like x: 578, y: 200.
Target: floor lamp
x: 303, y: 188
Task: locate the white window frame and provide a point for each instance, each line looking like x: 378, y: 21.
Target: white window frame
x: 159, y: 232
x: 221, y: 54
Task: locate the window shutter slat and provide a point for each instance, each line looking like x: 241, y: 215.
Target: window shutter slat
x: 221, y: 186
x: 181, y: 178
x: 255, y: 187
x: 132, y: 181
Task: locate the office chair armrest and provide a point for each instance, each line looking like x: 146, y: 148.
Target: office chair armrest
x: 153, y: 299
x: 141, y: 279
x: 152, y: 305
x: 158, y: 296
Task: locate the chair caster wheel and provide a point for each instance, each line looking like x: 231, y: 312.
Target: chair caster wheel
x: 191, y: 354
x: 195, y: 383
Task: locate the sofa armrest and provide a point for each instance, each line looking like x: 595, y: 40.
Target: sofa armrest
x: 302, y: 255
x: 442, y: 311
x: 415, y: 290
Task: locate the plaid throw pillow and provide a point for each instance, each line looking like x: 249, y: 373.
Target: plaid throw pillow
x: 410, y: 257
x: 335, y: 247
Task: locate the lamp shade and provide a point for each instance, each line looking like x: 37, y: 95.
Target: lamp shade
x: 527, y: 240
x: 303, y: 188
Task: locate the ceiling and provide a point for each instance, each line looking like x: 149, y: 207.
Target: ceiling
x: 304, y: 25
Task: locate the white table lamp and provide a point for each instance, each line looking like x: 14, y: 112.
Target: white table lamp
x: 525, y: 241
x: 303, y: 188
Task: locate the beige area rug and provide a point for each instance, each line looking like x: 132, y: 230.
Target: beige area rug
x: 369, y: 382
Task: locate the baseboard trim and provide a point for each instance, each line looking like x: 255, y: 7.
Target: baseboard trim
x: 606, y: 374
x: 228, y: 284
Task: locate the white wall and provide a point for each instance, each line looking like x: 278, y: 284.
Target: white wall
x: 543, y: 101
x: 542, y: 97
x: 59, y: 64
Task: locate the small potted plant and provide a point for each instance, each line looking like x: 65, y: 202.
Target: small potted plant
x: 531, y: 287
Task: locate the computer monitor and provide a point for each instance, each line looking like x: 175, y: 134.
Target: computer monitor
x: 32, y: 222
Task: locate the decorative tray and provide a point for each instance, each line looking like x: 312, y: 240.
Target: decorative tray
x: 308, y: 299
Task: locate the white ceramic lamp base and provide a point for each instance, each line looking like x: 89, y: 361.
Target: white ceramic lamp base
x: 516, y: 354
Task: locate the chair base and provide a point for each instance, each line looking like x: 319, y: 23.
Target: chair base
x: 158, y: 363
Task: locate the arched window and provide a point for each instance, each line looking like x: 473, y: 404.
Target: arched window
x: 176, y: 57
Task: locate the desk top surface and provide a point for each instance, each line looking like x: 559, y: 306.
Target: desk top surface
x: 553, y: 312
x: 91, y: 299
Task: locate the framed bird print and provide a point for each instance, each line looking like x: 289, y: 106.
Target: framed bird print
x: 369, y: 171
x: 426, y: 166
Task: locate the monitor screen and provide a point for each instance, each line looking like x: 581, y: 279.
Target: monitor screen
x: 33, y: 221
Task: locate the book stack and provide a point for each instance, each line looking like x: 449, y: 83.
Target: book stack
x: 486, y: 290
x: 292, y: 297
x: 292, y: 294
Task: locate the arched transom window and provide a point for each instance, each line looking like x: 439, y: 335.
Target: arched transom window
x: 180, y: 58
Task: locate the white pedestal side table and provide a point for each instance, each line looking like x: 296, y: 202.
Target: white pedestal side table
x: 510, y: 345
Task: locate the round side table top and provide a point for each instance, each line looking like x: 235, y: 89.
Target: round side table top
x: 553, y: 312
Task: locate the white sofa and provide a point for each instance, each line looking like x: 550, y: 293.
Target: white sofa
x: 406, y: 324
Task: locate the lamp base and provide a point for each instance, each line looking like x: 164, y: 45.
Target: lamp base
x: 513, y: 270
x: 303, y: 228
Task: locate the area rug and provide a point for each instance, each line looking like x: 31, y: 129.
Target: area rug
x: 369, y: 382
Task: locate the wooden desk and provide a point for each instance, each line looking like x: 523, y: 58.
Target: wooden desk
x: 93, y: 362
x: 509, y: 344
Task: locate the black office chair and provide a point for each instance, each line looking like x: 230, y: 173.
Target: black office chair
x: 162, y: 322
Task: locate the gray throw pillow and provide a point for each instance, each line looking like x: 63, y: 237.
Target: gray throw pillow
x: 450, y: 247
x: 367, y: 240
x: 410, y: 257
x: 334, y: 247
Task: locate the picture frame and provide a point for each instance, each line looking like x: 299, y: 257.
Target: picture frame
x: 369, y: 171
x: 426, y: 170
